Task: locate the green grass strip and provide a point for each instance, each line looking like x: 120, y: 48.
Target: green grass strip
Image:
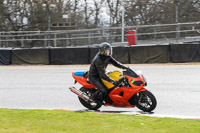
x: 50, y: 121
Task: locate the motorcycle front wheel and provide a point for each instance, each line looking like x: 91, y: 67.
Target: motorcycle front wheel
x: 146, y: 101
x: 89, y: 105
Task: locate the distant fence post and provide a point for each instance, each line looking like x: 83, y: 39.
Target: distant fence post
x: 55, y: 40
x: 89, y: 40
x: 45, y: 40
x: 0, y: 39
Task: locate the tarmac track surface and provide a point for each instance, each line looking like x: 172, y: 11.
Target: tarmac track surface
x: 175, y: 86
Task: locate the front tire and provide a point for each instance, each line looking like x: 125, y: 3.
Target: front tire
x: 146, y: 101
x: 89, y: 105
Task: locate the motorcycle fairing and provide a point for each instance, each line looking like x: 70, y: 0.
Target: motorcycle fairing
x: 78, y: 76
x: 136, y: 82
x: 121, y: 96
x: 115, y: 75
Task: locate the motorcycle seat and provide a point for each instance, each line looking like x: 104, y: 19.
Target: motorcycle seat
x: 85, y: 74
x: 88, y: 81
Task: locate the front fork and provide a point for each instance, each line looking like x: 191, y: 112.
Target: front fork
x: 135, y: 98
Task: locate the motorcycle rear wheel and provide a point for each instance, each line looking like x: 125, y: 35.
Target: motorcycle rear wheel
x: 89, y: 105
x: 146, y: 101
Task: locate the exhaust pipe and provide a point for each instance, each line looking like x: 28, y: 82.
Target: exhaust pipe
x: 81, y: 94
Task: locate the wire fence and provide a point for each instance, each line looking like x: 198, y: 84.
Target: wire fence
x: 82, y: 37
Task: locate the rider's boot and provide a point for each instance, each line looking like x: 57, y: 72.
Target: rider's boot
x: 98, y: 96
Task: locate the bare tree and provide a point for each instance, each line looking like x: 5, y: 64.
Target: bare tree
x: 189, y: 11
x: 88, y: 11
x: 31, y: 15
x: 114, y: 9
x: 12, y: 13
x: 75, y: 10
x: 97, y: 8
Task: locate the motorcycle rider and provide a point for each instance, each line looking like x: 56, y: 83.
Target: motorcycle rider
x: 97, y: 71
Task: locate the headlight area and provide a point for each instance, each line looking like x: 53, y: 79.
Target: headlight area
x: 144, y: 80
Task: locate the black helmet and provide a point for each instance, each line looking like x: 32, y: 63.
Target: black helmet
x: 106, y: 49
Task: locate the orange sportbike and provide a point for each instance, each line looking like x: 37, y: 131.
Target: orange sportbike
x: 130, y: 92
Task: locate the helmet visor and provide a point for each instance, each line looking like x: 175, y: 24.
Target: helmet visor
x: 108, y: 52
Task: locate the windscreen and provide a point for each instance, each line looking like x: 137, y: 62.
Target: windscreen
x: 131, y: 72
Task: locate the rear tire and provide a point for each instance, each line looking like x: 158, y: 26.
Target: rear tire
x: 89, y: 105
x: 146, y: 101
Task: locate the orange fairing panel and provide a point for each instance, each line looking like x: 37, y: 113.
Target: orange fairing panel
x: 83, y: 81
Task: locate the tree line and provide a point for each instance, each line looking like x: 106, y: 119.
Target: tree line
x: 32, y: 15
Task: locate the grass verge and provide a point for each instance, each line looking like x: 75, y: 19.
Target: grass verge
x: 48, y: 121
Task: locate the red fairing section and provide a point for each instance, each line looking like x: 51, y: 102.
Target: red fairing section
x: 122, y: 101
x: 136, y: 79
x: 82, y: 81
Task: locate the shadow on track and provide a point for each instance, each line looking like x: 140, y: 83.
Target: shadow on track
x: 116, y: 112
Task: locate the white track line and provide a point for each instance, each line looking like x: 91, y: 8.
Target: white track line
x: 136, y: 113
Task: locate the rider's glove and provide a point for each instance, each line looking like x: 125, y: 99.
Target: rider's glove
x: 125, y: 67
x: 116, y: 83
